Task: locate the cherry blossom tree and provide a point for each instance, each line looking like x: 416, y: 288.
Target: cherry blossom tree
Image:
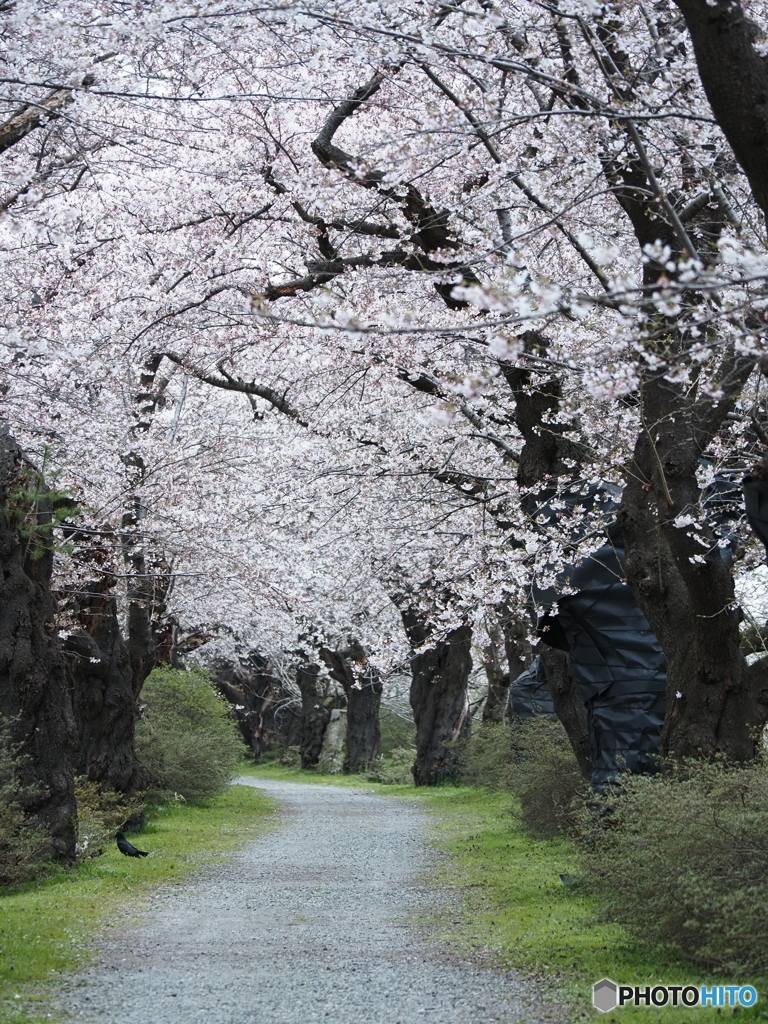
x: 337, y: 292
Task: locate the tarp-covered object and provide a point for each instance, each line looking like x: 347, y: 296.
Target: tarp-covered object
x: 615, y: 660
x: 614, y: 656
x: 620, y: 670
x: 529, y: 694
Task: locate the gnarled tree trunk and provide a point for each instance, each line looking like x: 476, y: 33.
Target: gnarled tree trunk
x: 685, y: 588
x: 35, y: 702
x: 254, y: 691
x: 495, y: 706
x: 103, y: 696
x: 440, y: 674
x: 363, y: 691
x: 569, y: 706
x: 315, y: 714
x: 363, y: 730
x: 734, y: 74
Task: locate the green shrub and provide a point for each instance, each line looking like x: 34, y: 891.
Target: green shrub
x: 22, y: 844
x: 682, y: 858
x: 532, y: 759
x: 486, y: 757
x: 290, y: 757
x: 546, y: 780
x: 394, y: 770
x: 99, y: 816
x: 186, y: 738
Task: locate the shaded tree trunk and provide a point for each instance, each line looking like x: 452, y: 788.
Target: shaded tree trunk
x: 140, y: 636
x: 440, y: 675
x: 677, y: 576
x: 569, y: 707
x: 35, y: 702
x: 254, y: 691
x: 495, y: 706
x: 315, y: 714
x: 102, y: 688
x: 686, y: 590
x: 363, y: 730
x: 363, y: 691
x: 516, y: 628
x: 498, y: 676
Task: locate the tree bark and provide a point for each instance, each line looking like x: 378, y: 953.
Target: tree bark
x: 735, y: 79
x: 495, y: 706
x: 569, y: 707
x: 315, y: 716
x: 682, y: 584
x: 254, y: 691
x: 685, y: 589
x: 32, y: 116
x: 363, y: 691
x: 363, y: 731
x: 102, y: 687
x: 440, y: 674
x: 35, y: 703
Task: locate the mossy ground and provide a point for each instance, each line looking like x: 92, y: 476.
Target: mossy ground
x: 513, y: 904
x: 48, y: 927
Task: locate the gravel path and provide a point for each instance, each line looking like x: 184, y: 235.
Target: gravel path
x: 310, y: 923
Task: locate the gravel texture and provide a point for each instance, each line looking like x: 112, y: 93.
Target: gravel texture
x: 312, y: 922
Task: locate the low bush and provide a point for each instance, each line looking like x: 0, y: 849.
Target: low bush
x: 394, y: 770
x: 532, y: 759
x: 99, y: 816
x: 681, y: 858
x: 546, y: 779
x: 186, y: 738
x: 290, y: 757
x: 486, y: 757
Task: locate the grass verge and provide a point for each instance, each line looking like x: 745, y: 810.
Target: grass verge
x: 512, y: 903
x: 47, y: 927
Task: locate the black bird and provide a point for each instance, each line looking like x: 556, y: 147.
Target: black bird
x: 127, y: 848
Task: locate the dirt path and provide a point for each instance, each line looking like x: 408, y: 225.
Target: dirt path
x: 310, y: 923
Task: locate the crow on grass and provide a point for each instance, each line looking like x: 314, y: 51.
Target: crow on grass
x: 128, y: 849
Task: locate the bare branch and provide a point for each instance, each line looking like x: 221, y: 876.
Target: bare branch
x: 229, y: 383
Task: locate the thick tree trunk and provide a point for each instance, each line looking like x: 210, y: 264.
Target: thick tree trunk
x: 254, y: 692
x: 35, y: 703
x: 495, y: 706
x: 315, y: 715
x: 104, y: 703
x: 363, y: 690
x: 686, y: 590
x: 681, y: 583
x: 363, y: 731
x: 569, y: 706
x: 438, y: 696
x: 735, y: 78
x: 140, y: 636
x: 517, y: 646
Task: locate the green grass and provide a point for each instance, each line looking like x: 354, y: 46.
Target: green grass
x: 48, y: 927
x: 512, y: 903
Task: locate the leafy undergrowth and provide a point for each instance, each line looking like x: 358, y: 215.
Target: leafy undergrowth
x: 47, y: 927
x: 514, y: 905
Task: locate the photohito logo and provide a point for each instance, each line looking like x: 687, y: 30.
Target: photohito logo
x: 607, y: 995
